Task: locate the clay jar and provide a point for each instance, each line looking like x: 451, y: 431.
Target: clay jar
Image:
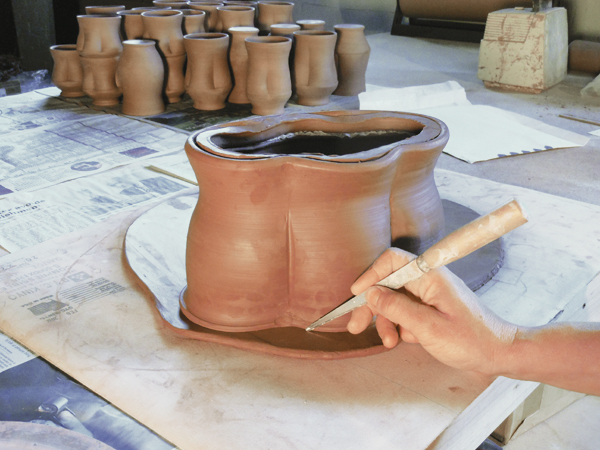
x: 268, y: 85
x: 132, y: 23
x: 270, y: 13
x: 210, y: 9
x: 351, y: 58
x: 284, y: 29
x: 108, y: 9
x: 67, y: 73
x: 207, y: 80
x: 311, y: 24
x: 164, y: 26
x: 238, y: 60
x: 234, y: 16
x: 193, y: 21
x: 140, y: 75
x: 99, y: 46
x: 315, y: 76
x: 170, y: 3
x: 293, y: 208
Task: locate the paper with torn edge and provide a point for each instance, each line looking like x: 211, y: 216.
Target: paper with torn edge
x: 477, y: 132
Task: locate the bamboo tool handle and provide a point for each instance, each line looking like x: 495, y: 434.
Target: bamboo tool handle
x: 473, y: 236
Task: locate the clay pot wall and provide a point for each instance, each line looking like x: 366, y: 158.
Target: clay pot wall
x: 293, y: 208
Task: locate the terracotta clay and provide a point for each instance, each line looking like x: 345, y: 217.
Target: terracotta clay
x: 109, y: 9
x: 238, y: 60
x: 284, y: 29
x: 210, y: 9
x: 67, y: 73
x: 269, y: 84
x: 315, y: 76
x: 140, y: 75
x: 584, y: 56
x: 351, y: 59
x: 99, y: 46
x: 193, y: 21
x: 293, y: 208
x: 149, y: 8
x: 172, y: 4
x: 270, y: 12
x: 234, y: 16
x: 133, y: 26
x: 207, y: 80
x: 165, y: 27
x: 311, y: 24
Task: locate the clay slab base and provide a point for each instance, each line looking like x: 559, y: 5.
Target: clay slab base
x: 155, y: 250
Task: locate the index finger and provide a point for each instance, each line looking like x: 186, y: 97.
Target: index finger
x: 390, y: 261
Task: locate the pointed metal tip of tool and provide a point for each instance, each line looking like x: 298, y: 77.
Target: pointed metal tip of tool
x: 310, y: 328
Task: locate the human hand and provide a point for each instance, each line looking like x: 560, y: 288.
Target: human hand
x: 437, y: 311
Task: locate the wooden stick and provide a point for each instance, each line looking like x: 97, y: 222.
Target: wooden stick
x: 591, y: 122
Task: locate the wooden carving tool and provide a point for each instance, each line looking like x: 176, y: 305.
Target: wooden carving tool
x: 456, y: 245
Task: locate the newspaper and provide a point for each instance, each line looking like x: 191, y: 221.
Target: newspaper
x: 38, y: 158
x: 12, y: 354
x: 29, y: 218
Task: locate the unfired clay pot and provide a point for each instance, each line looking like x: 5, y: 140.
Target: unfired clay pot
x: 164, y: 26
x: 172, y: 4
x: 311, y: 24
x: 315, y: 76
x: 193, y: 21
x: 207, y: 80
x: 351, y: 58
x: 210, y: 9
x: 270, y: 12
x: 238, y: 60
x: 268, y: 85
x: 284, y: 29
x: 67, y: 74
x: 234, y: 16
x: 108, y: 9
x: 293, y: 208
x: 133, y: 26
x: 99, y: 46
x: 140, y: 75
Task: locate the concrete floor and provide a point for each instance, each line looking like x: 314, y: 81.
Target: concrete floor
x: 398, y: 61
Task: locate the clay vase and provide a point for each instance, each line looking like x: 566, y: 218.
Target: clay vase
x: 284, y: 29
x: 99, y: 46
x: 238, y: 60
x: 149, y: 8
x: 111, y: 10
x: 207, y: 80
x: 140, y: 75
x: 293, y: 208
x: 172, y: 4
x: 270, y: 13
x: 210, y: 9
x: 67, y: 74
x: 164, y: 26
x: 311, y: 24
x: 193, y: 21
x: 315, y: 76
x: 268, y: 85
x: 351, y: 58
x: 133, y: 26
x: 234, y: 16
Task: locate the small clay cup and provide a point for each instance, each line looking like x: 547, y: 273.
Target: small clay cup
x: 210, y: 9
x: 111, y: 10
x: 351, y: 59
x: 311, y: 24
x: 207, y: 79
x: 269, y: 84
x: 193, y: 21
x: 271, y: 12
x: 67, y: 74
x: 131, y: 21
x: 238, y: 61
x: 229, y: 16
x: 171, y: 3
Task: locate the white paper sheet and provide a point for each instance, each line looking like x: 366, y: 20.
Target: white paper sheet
x: 12, y: 353
x: 477, y: 132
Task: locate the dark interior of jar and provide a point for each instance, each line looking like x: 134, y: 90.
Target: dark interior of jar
x: 310, y: 142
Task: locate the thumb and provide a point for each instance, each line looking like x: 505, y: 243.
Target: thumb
x: 395, y: 306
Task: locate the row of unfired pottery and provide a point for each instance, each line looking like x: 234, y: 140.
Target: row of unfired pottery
x: 140, y: 76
